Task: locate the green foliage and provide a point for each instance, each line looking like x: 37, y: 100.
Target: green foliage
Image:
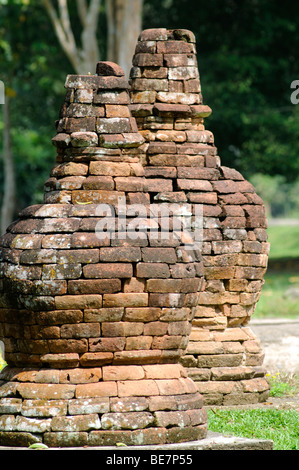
x: 3, y: 363
x: 248, y: 57
x: 283, y: 384
x: 277, y: 300
x: 284, y: 241
x: 280, y: 426
x: 281, y: 197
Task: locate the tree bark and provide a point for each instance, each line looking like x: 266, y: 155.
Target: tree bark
x: 84, y: 58
x: 9, y: 197
x: 124, y: 20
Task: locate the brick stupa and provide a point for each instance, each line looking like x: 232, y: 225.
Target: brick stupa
x: 224, y: 356
x: 95, y: 320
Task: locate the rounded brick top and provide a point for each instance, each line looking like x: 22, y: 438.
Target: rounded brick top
x: 163, y: 34
x: 95, y: 114
x: 109, y: 69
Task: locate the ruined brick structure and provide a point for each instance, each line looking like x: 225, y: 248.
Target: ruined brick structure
x: 98, y: 301
x: 223, y: 356
x: 94, y: 322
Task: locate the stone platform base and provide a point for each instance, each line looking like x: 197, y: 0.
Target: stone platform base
x: 213, y: 441
x: 101, y: 406
x: 226, y: 365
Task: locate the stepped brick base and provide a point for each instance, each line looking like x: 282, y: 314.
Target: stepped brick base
x: 135, y: 405
x: 226, y: 366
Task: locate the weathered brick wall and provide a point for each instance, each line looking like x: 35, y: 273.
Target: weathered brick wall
x: 223, y: 356
x: 94, y: 326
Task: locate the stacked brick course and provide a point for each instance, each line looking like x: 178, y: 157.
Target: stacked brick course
x: 94, y: 325
x: 223, y: 356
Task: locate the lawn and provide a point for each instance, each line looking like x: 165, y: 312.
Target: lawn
x: 280, y: 426
x: 284, y: 241
x: 279, y: 298
x: 280, y: 294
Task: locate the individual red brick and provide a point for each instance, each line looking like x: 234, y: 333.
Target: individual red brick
x: 146, y: 314
x: 61, y: 271
x: 99, y: 182
x: 153, y: 34
x: 111, y: 125
x: 130, y: 183
x: 155, y: 328
x: 234, y: 222
x: 106, y: 68
x: 95, y: 359
x: 82, y: 330
x: 111, y: 97
x: 80, y: 124
x: 175, y: 47
x: 203, y: 197
x: 96, y: 196
x: 192, y: 85
x: 234, y: 198
x: 134, y: 343
x: 146, y: 46
x: 146, y: 59
x: 156, y: 72
x: 159, y: 185
x: 194, y: 185
x: 108, y: 270
x: 103, y: 314
x: 78, y: 256
x: 78, y: 302
x: 120, y: 254
x: 137, y: 388
x: 106, y: 344
x: 110, y: 168
x: 167, y: 342
x: 152, y: 270
x: 164, y: 285
x: 162, y: 147
x: 46, y: 391
x: 68, y: 345
x: 90, y: 286
x: 87, y: 240
x: 134, y: 285
x: 56, y: 317
x: 166, y: 300
x: 125, y: 300
x: 159, y: 255
x: 123, y: 373
x: 100, y: 389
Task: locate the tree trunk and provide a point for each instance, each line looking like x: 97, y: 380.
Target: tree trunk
x: 9, y: 197
x: 84, y: 58
x: 124, y: 20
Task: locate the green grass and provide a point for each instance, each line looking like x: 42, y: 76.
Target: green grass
x: 283, y: 384
x: 280, y: 426
x: 275, y: 301
x: 284, y: 241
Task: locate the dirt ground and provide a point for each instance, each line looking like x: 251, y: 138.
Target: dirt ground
x: 280, y: 340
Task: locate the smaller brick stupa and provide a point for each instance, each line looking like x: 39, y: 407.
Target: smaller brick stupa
x: 95, y: 311
x: 224, y: 357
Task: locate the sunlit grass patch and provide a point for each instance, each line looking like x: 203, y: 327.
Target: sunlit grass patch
x: 280, y: 426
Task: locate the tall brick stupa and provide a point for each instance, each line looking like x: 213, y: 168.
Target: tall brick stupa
x: 95, y: 305
x: 224, y: 356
